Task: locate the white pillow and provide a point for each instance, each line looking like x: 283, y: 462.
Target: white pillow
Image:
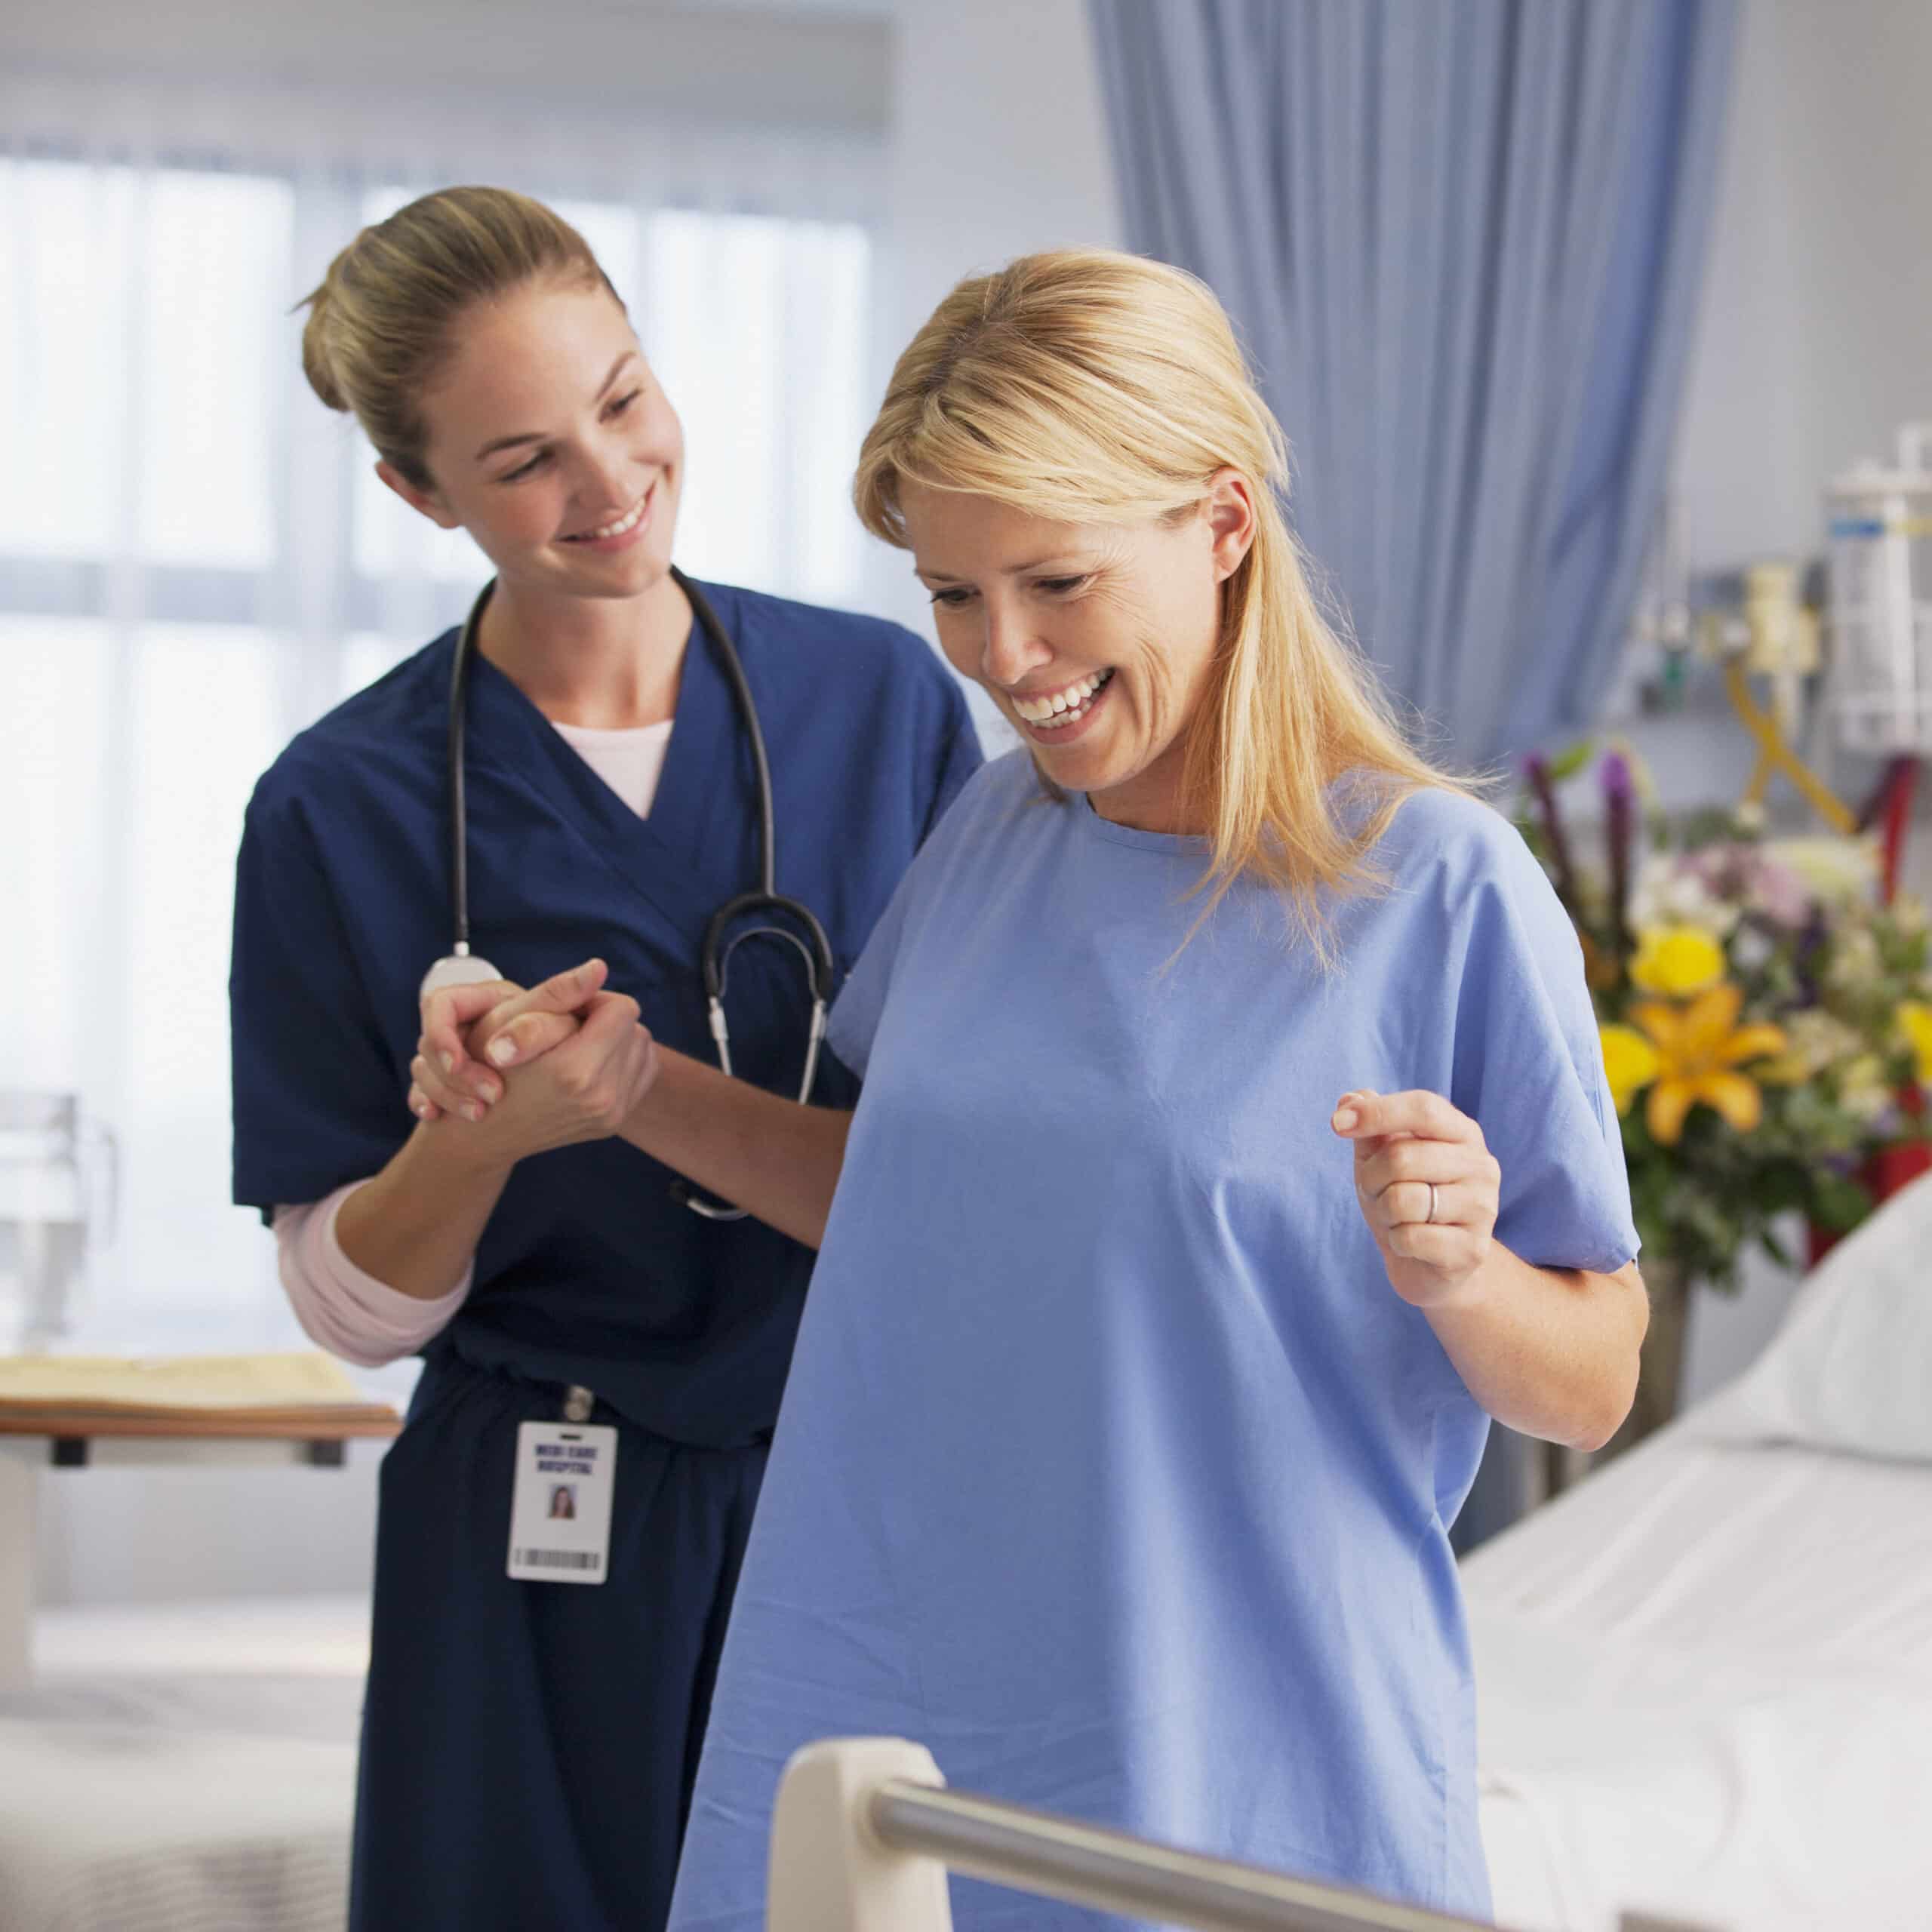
x: 1850, y: 1366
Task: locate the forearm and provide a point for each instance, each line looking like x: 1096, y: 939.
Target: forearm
x: 415, y: 1225
x: 1552, y: 1352
x: 770, y: 1155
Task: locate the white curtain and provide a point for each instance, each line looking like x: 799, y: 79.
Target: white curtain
x: 195, y: 561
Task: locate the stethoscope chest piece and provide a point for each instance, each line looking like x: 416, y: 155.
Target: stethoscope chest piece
x: 463, y: 968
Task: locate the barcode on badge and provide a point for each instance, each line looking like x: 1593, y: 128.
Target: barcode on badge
x: 561, y: 1559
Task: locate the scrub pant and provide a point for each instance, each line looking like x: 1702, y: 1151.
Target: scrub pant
x: 528, y: 1748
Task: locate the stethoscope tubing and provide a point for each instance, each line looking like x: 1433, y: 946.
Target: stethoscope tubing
x: 714, y: 951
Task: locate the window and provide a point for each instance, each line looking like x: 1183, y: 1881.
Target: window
x: 196, y: 562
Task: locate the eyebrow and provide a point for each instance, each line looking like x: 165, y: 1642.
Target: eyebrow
x: 536, y: 436
x: 1011, y: 570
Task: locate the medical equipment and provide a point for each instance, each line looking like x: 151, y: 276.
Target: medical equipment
x: 1771, y: 632
x: 460, y: 967
x: 58, y: 1189
x: 1879, y: 612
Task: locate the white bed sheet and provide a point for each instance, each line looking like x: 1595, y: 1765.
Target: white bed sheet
x: 1705, y: 1688
x: 185, y: 1768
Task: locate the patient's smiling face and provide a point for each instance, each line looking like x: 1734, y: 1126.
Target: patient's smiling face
x: 1097, y: 641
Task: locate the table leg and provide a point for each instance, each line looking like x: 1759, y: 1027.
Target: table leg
x: 20, y: 1477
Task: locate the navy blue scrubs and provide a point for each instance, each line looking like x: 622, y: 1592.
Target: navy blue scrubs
x: 528, y: 1748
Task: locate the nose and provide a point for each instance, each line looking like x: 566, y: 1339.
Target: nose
x: 605, y: 478
x: 1011, y: 646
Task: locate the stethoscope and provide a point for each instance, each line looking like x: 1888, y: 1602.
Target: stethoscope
x: 463, y: 967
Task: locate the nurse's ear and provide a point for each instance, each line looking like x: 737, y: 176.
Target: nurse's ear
x: 426, y: 503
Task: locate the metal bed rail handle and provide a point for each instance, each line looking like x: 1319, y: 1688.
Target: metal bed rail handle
x: 865, y: 1832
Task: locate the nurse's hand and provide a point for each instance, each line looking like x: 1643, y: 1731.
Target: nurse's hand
x: 462, y: 1026
x: 583, y: 1090
x: 1428, y: 1188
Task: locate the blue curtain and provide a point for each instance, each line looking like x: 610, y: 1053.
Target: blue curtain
x: 1462, y: 243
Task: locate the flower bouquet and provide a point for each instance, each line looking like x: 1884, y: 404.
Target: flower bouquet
x: 1766, y: 1022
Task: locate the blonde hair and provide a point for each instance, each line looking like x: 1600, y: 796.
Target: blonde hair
x: 1083, y: 386
x: 380, y: 323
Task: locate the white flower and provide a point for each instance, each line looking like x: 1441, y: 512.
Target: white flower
x: 1667, y: 894
x: 1862, y: 1090
x: 1838, y: 870
x: 1750, y: 950
x: 1813, y: 1039
x: 1855, y: 960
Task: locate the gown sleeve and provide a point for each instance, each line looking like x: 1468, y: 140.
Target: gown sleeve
x: 318, y: 1099
x: 1528, y: 1069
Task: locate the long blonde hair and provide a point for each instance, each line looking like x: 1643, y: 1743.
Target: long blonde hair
x: 384, y: 315
x: 1083, y: 386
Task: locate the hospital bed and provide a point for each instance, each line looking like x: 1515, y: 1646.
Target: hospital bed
x: 1704, y: 1678
x: 183, y: 1767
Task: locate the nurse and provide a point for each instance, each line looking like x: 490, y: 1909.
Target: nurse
x: 529, y: 1745
x: 1234, y: 1145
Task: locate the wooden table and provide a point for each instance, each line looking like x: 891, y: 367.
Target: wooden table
x: 90, y: 1439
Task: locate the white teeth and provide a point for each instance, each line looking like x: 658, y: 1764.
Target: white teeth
x: 1062, y: 707
x: 622, y: 524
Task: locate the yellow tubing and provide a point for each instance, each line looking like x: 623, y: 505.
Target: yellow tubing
x: 1774, y: 753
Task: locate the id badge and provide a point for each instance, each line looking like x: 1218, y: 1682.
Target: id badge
x: 560, y: 1511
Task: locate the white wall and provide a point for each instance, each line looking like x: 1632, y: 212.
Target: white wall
x: 794, y: 65
x: 998, y: 147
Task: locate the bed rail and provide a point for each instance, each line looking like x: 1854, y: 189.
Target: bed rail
x: 865, y: 1832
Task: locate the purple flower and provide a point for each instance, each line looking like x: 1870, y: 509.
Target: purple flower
x: 1618, y: 792
x: 1537, y: 769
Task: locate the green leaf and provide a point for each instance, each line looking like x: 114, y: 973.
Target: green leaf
x: 1566, y: 765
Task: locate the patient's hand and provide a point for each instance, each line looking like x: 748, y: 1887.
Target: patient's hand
x: 467, y: 1030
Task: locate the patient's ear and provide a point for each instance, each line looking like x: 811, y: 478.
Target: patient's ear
x: 1229, y: 511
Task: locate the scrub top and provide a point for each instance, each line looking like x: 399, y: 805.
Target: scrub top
x: 528, y: 1747
x: 588, y: 1271
x: 1112, y: 1468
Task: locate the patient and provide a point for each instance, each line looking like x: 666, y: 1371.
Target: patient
x: 1234, y: 1144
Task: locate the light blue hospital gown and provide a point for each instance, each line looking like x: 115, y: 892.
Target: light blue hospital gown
x: 1111, y: 1468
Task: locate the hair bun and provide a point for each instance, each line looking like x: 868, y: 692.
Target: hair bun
x: 317, y: 364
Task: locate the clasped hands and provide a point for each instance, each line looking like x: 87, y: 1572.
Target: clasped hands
x: 524, y: 1072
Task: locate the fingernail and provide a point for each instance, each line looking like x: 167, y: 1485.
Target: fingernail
x: 489, y: 1093
x: 472, y: 1112
x: 503, y: 1052
x: 422, y: 1108
x: 1346, y: 1118
x: 449, y: 1063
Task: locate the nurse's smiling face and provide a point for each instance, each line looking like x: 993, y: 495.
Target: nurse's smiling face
x: 550, y: 440
x: 1096, y: 640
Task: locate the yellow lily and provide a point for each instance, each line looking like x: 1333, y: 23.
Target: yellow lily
x: 1629, y: 1062
x: 1678, y: 961
x: 1700, y: 1046
x: 1915, y: 1022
